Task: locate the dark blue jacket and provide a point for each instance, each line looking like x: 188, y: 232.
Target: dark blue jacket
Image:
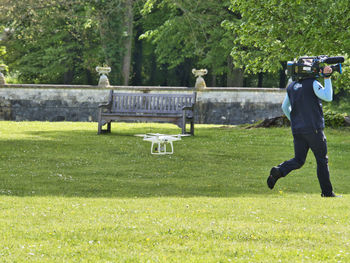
x: 307, y: 114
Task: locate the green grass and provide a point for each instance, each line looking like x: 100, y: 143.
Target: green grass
x: 69, y: 195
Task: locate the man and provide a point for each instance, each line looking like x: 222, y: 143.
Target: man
x: 302, y: 106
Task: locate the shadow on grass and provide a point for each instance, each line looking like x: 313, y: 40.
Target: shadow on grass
x: 80, y: 163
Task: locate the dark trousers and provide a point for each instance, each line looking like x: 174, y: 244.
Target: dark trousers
x: 316, y: 141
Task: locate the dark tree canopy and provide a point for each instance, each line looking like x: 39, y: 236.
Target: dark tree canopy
x: 158, y: 42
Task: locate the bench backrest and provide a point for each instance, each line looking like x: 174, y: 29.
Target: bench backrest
x: 151, y: 103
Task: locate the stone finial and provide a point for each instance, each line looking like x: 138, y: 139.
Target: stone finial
x: 200, y: 83
x: 103, y: 71
x: 2, y: 77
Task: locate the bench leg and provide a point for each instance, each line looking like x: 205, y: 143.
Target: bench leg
x: 99, y: 122
x: 99, y: 129
x: 183, y: 124
x: 100, y: 125
x: 192, y: 127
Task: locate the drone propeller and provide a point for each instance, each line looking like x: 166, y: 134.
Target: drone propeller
x: 154, y: 135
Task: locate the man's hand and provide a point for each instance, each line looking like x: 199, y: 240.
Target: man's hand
x: 326, y: 72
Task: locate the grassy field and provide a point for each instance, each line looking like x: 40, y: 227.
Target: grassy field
x: 69, y: 195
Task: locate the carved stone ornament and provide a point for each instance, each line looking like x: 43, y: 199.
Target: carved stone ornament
x: 103, y: 71
x: 199, y: 73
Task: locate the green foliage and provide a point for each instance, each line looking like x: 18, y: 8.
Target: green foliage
x: 340, y: 105
x: 341, y: 81
x: 2, y: 53
x: 334, y: 119
x: 45, y: 40
x: 12, y: 78
x: 2, y: 48
x: 188, y: 30
x: 271, y: 32
x: 63, y: 41
x: 109, y: 16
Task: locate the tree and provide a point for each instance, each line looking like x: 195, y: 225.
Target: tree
x: 129, y: 17
x: 184, y: 30
x: 273, y: 32
x: 114, y: 27
x: 50, y: 41
x: 62, y: 41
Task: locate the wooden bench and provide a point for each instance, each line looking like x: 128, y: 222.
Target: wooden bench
x: 148, y: 107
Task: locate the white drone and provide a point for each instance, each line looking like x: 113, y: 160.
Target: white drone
x: 160, y: 141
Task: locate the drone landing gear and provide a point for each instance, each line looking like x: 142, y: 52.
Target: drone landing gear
x: 160, y: 148
x: 160, y: 141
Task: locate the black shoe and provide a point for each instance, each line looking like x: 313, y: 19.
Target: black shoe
x: 275, y: 174
x: 331, y: 195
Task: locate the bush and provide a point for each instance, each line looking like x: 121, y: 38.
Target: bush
x: 334, y: 119
x: 341, y: 81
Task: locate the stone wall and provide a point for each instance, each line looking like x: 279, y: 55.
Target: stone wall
x: 79, y: 103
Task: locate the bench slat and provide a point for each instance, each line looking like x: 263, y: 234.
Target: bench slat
x: 148, y: 103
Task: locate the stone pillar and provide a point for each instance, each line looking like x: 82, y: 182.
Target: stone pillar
x: 2, y: 77
x: 200, y: 83
x: 103, y: 71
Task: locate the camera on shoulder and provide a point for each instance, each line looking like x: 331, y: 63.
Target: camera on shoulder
x: 312, y: 67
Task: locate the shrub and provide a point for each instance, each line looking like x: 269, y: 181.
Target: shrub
x: 334, y: 119
x: 341, y: 81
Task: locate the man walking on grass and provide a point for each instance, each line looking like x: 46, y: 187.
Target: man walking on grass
x: 302, y: 106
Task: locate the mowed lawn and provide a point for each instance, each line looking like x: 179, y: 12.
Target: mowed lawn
x: 70, y: 195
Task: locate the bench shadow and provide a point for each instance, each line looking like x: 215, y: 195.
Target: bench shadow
x: 80, y: 163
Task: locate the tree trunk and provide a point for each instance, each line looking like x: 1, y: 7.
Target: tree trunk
x: 183, y: 73
x: 89, y: 78
x: 213, y: 80
x: 283, y: 78
x: 68, y: 77
x: 260, y: 79
x: 234, y: 75
x: 137, y: 58
x: 153, y: 69
x: 128, y: 41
